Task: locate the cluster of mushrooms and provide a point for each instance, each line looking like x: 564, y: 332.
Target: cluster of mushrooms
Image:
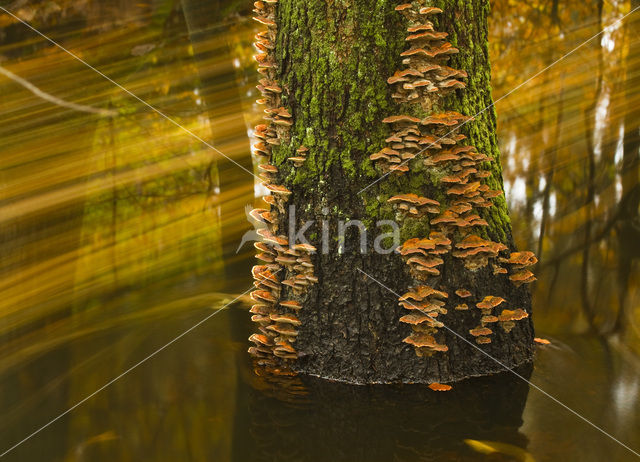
x: 455, y: 225
x: 285, y: 271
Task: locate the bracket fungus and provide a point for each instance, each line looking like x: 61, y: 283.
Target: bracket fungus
x: 455, y: 221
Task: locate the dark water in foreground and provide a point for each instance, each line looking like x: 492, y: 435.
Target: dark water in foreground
x: 199, y: 400
x: 112, y: 231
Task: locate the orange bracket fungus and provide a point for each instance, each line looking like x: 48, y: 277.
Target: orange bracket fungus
x: 456, y: 224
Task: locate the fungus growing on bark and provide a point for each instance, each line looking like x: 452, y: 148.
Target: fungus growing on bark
x: 541, y: 341
x: 421, y: 292
x: 513, y: 315
x: 480, y: 331
x: 463, y: 293
x: 522, y: 277
x: 416, y: 318
x: 283, y: 329
x: 297, y: 161
x: 260, y: 339
x: 285, y: 319
x: 403, y: 7
x: 262, y: 296
x: 489, y: 302
x: 488, y: 319
x: 483, y: 340
x: 430, y: 10
x: 520, y: 259
x: 462, y: 307
x: 423, y: 340
x: 440, y: 387
x: 278, y: 190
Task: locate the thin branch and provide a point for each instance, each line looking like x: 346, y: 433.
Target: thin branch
x: 52, y: 99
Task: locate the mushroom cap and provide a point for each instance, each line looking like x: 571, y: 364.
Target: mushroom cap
x: 261, y: 319
x: 541, y: 341
x: 430, y: 10
x: 420, y: 339
x: 427, y: 35
x: 446, y: 217
x: 400, y: 118
x: 262, y: 295
x: 462, y: 307
x: 291, y: 304
x: 269, y: 238
x: 305, y: 247
x: 463, y: 293
x: 268, y: 168
x: 521, y: 276
x: 445, y: 118
x: 421, y: 292
x: 283, y: 122
x: 286, y: 260
x: 285, y: 346
x: 439, y: 238
x: 439, y: 387
x: 426, y: 26
x: 404, y: 6
x: 464, y: 189
x: 472, y: 241
x: 283, y: 112
x: 264, y: 310
x: 264, y: 20
x: 483, y: 340
x: 413, y: 199
x: 489, y: 319
x: 489, y: 302
x: 415, y: 318
x: 256, y: 214
x: 427, y: 262
x: 478, y: 331
x: 302, y: 149
x: 297, y: 160
x: 285, y: 318
x: 277, y: 189
x: 416, y: 245
x: 398, y: 168
x: 513, y: 315
x: 269, y: 200
x: 283, y: 329
x: 524, y: 258
x: 439, y: 158
x: 455, y: 84
x: 260, y: 339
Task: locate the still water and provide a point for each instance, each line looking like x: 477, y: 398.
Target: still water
x: 113, y: 231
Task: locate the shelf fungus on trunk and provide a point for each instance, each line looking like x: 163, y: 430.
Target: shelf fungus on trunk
x: 287, y: 270
x: 352, y: 92
x: 456, y: 223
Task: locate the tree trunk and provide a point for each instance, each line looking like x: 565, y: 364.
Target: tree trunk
x: 332, y: 61
x: 629, y: 227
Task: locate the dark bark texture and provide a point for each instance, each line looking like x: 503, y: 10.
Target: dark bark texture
x: 334, y: 58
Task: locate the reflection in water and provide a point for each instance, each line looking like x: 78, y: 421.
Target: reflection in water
x: 380, y: 423
x: 119, y: 233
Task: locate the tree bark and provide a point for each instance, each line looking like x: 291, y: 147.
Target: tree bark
x: 333, y: 60
x: 629, y: 227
